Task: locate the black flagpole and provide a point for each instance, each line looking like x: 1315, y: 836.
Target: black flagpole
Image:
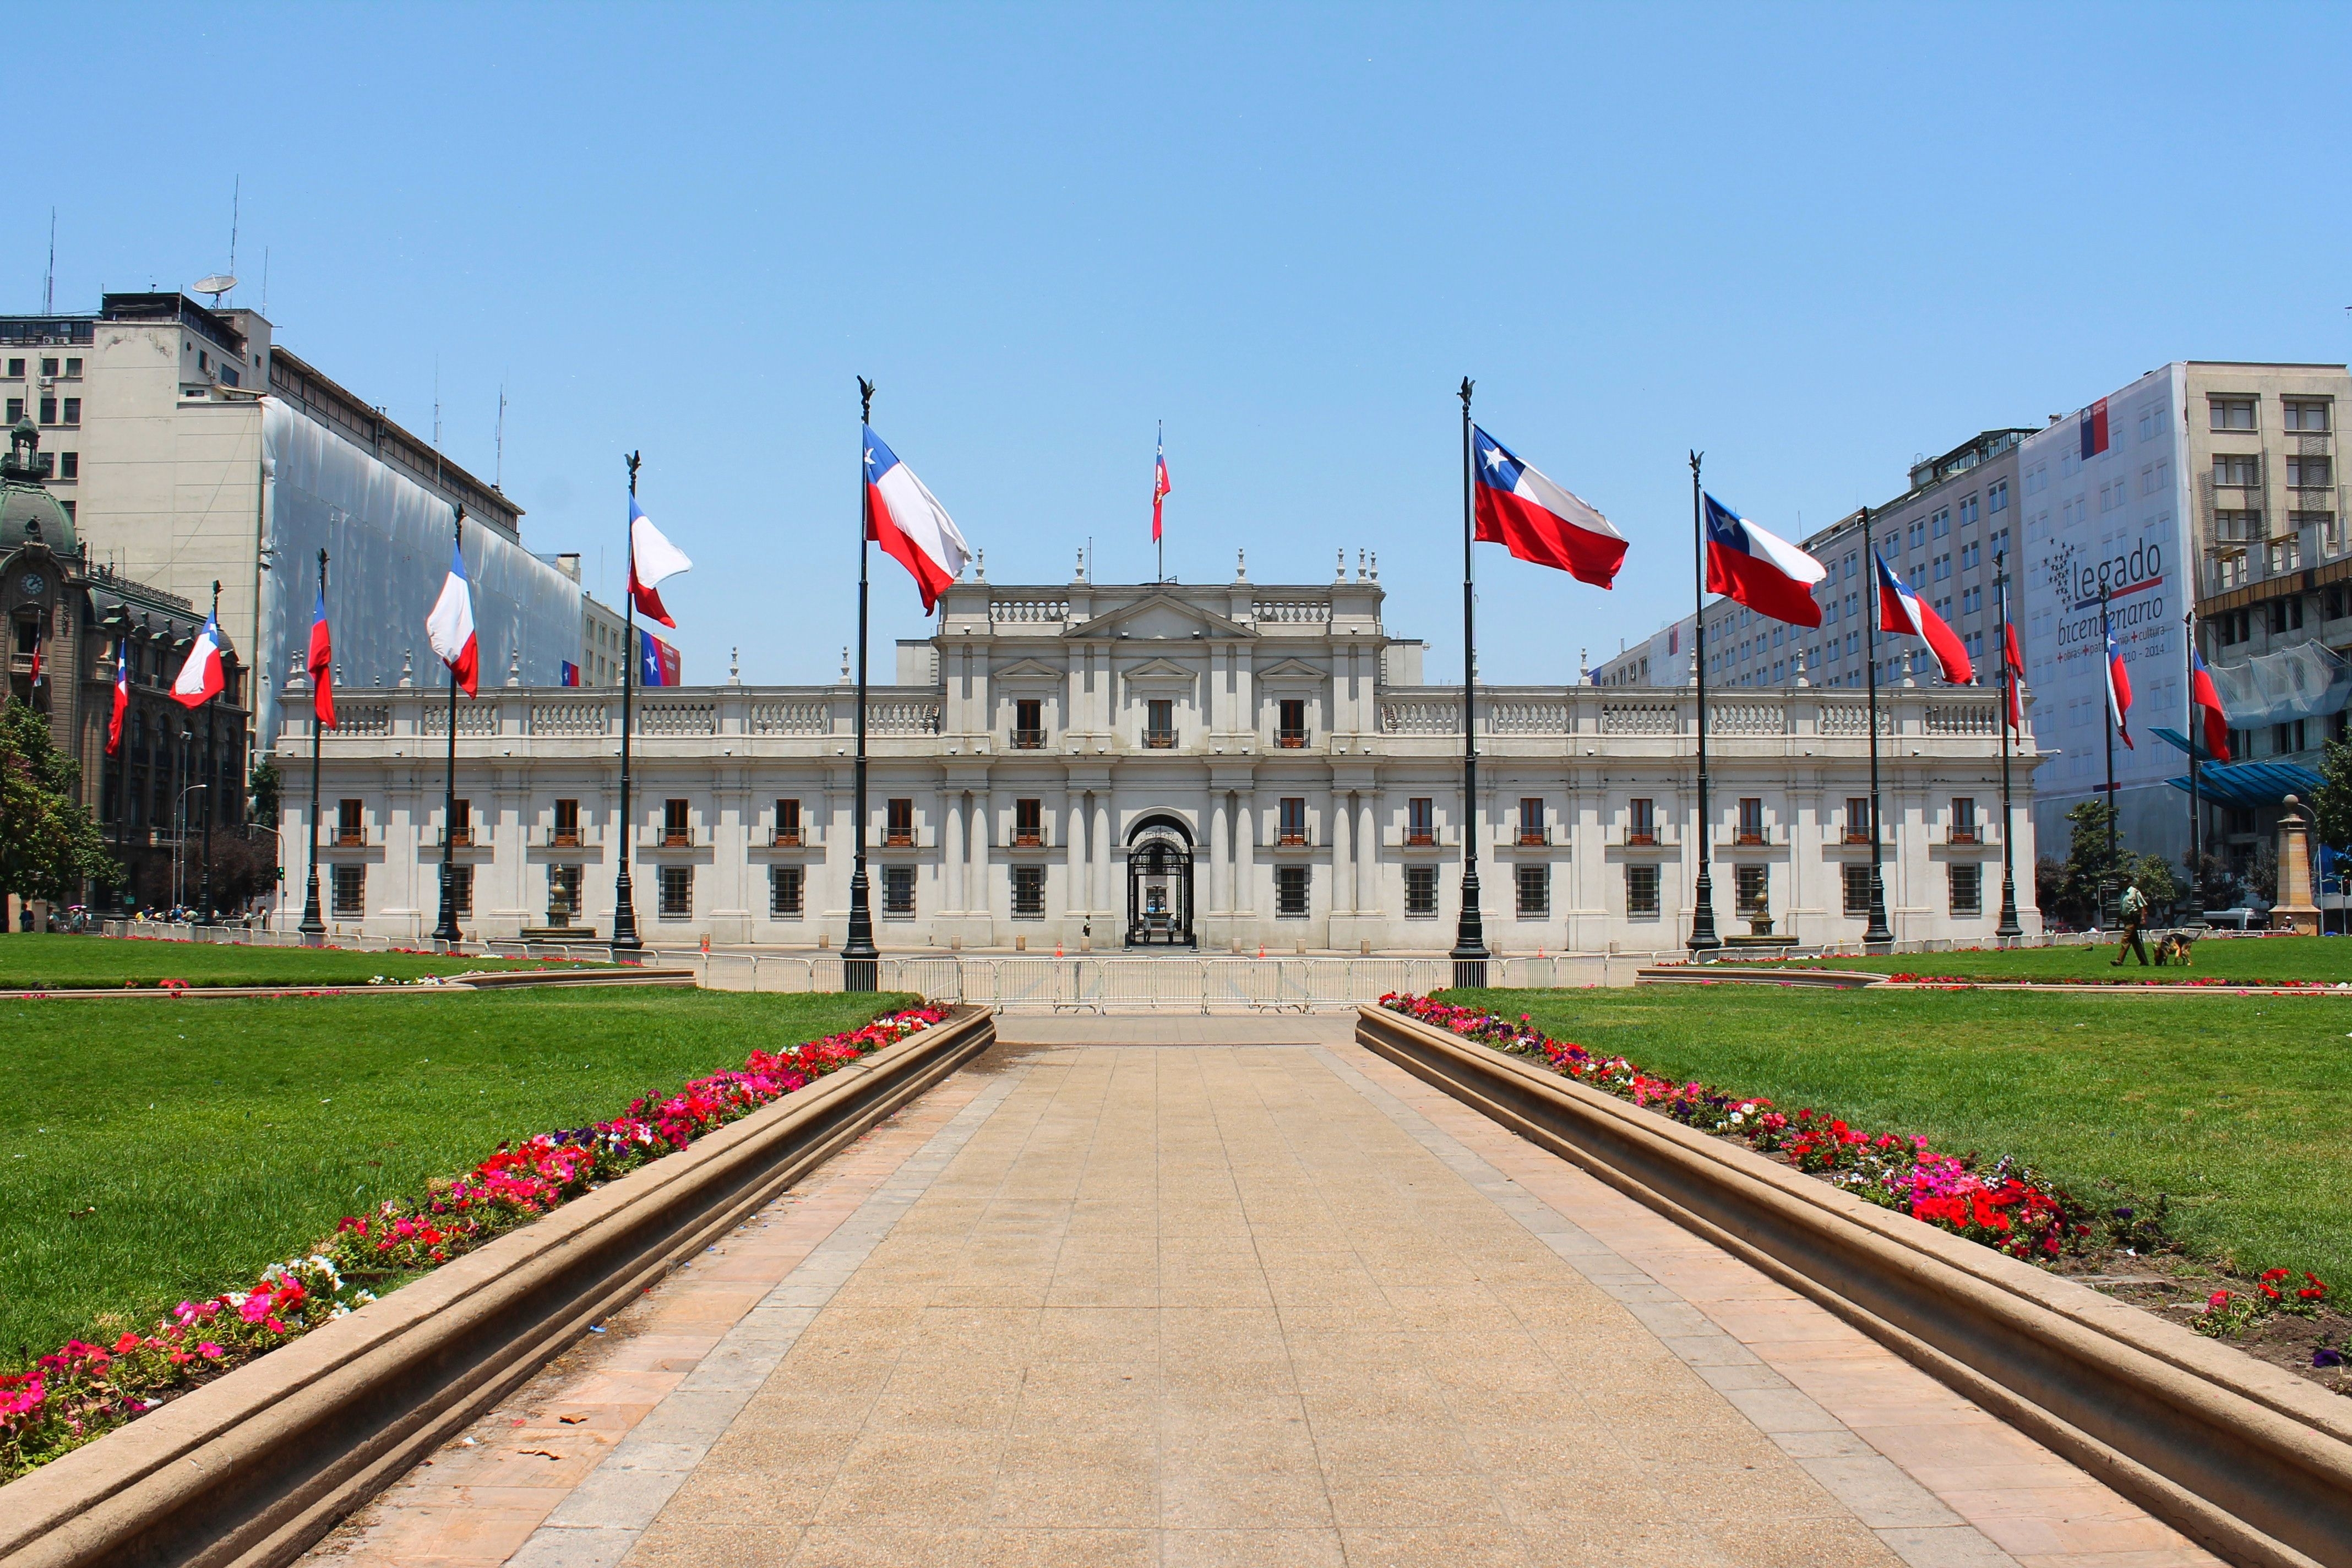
x: 624, y: 894
x: 128, y: 902
x: 1159, y: 456
x: 212, y: 770
x: 1877, y: 934
x: 2107, y: 653
x: 2194, y: 915
x: 2009, y: 926
x: 860, y: 960
x: 448, y: 930
x: 1469, y: 935
x: 1702, y: 937
x: 314, y: 924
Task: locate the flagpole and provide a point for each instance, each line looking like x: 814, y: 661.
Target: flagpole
x: 314, y: 925
x: 212, y: 771
x: 2108, y: 653
x: 128, y: 902
x: 1157, y: 543
x: 625, y: 892
x: 2195, y: 913
x: 2009, y: 926
x: 860, y: 960
x: 446, y: 931
x: 1469, y: 935
x: 1702, y: 937
x: 1877, y: 934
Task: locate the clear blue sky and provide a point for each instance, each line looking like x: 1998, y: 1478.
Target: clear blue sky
x: 1814, y: 242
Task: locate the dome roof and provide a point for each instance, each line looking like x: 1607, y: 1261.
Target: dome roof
x: 28, y: 512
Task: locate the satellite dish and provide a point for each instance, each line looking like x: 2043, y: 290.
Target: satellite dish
x: 215, y: 284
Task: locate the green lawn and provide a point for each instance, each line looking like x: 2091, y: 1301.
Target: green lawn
x: 30, y: 962
x: 2240, y: 1108
x: 152, y: 1152
x: 2247, y: 959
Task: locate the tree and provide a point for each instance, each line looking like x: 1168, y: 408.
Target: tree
x: 2093, y: 865
x: 48, y: 846
x: 2331, y: 803
x: 263, y: 788
x: 2049, y: 877
x: 2153, y: 875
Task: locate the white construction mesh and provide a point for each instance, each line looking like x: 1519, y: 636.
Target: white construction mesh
x: 2308, y: 680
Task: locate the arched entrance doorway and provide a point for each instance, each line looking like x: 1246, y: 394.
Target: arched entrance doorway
x: 1160, y: 883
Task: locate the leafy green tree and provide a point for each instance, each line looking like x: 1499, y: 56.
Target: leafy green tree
x: 2090, y: 863
x: 2157, y: 882
x: 48, y: 846
x: 2331, y: 803
x: 264, y: 789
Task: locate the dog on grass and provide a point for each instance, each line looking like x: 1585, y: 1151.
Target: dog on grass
x: 2176, y: 949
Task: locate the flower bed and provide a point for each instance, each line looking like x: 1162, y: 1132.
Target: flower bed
x: 85, y: 1388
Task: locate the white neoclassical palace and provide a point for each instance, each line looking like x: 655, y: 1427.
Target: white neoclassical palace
x: 1223, y: 768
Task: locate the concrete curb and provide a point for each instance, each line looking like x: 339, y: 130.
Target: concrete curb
x: 1707, y: 974
x: 251, y: 1470
x: 2243, y: 1456
x: 524, y: 980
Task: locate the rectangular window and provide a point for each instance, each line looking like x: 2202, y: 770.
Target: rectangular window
x: 2309, y: 473
x: 1531, y: 819
x: 1028, y: 824
x: 1159, y: 722
x: 2285, y: 556
x: 1964, y: 820
x: 48, y: 410
x: 48, y: 365
x: 1857, y: 890
x: 1290, y: 892
x: 1028, y: 892
x: 566, y: 832
x: 1641, y: 821
x: 788, y: 822
x: 898, y: 823
x: 1535, y: 892
x: 1967, y: 887
x: 2237, y: 526
x: 16, y: 409
x: 351, y: 822
x: 1857, y: 819
x: 68, y: 465
x: 677, y: 893
x: 16, y: 370
x: 1420, y: 892
x: 1293, y: 731
x: 677, y: 823
x: 1752, y: 819
x: 787, y: 889
x: 2309, y: 414
x: 1752, y: 893
x: 461, y: 885
x: 1641, y: 891
x: 1420, y: 821
x: 898, y: 889
x: 461, y: 822
x: 1029, y: 723
x: 73, y: 411
x: 1940, y: 525
x: 1293, y: 823
x: 73, y: 367
x: 2239, y: 470
x: 1997, y: 497
x: 351, y: 888
x: 562, y: 895
x: 2232, y: 412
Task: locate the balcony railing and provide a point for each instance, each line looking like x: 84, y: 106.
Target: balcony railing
x: 1420, y: 838
x: 1028, y: 841
x: 1964, y: 836
x: 348, y: 838
x: 1290, y: 739
x: 1159, y: 739
x: 1533, y: 836
x: 1028, y: 740
x: 786, y: 838
x: 898, y: 838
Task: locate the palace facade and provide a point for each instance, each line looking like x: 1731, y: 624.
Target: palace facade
x: 1213, y: 768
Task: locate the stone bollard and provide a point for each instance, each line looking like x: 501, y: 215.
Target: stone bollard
x: 2295, y: 910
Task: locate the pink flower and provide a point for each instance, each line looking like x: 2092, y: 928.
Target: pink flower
x: 209, y: 1351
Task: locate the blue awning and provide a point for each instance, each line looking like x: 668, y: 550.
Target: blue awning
x: 2251, y: 784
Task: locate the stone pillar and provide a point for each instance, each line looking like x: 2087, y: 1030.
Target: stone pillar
x: 951, y: 854
x: 1343, y: 841
x: 1368, y: 890
x: 1104, y: 901
x: 980, y: 894
x: 1075, y: 900
x: 1221, y: 868
x: 1246, y: 864
x: 2294, y: 910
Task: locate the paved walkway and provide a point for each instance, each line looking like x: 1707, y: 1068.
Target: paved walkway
x: 1243, y: 1294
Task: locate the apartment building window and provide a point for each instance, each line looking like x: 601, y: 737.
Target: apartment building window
x: 898, y: 823
x: 1916, y: 534
x: 2230, y: 569
x: 1290, y: 892
x: 677, y: 893
x: 1028, y: 824
x: 2310, y: 473
x: 2286, y: 556
x: 2232, y: 526
x: 68, y: 465
x: 2232, y: 412
x: 73, y: 367
x: 1642, y: 891
x: 349, y: 884
x: 1971, y: 601
x: 48, y: 410
x: 787, y: 887
x: 898, y: 889
x: 1159, y: 722
x: 2238, y: 469
x: 1029, y: 723
x: 2289, y: 737
x: 1420, y: 892
x: 1940, y: 525
x: 16, y: 370
x: 1752, y: 819
x: 788, y: 822
x: 1641, y: 821
x: 351, y: 822
x: 1420, y: 821
x: 1028, y: 892
x: 1535, y: 892
x: 2231, y: 627
x: 1997, y: 497
x: 1857, y: 891
x: 1751, y: 895
x: 16, y: 409
x: 1292, y: 722
x: 2309, y: 414
x: 1943, y: 570
x: 1293, y: 822
x: 1966, y: 888
x: 48, y: 366
x: 2323, y: 523
x: 461, y: 889
x: 1971, y: 556
x: 677, y: 824
x: 562, y: 894
x: 1531, y: 819
x: 73, y: 411
x: 1857, y: 819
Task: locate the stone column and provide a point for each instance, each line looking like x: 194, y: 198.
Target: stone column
x: 1343, y: 841
x: 1075, y: 902
x: 1221, y: 870
x: 1102, y: 902
x: 951, y: 854
x: 980, y: 895
x: 1368, y: 888
x: 1246, y: 864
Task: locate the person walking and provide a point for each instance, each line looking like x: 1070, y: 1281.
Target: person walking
x: 2135, y: 912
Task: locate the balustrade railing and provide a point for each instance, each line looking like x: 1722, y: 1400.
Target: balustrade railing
x: 1020, y: 611
x: 1284, y: 612
x: 567, y: 717
x: 902, y: 718
x: 792, y: 717
x: 677, y: 718
x: 1641, y: 718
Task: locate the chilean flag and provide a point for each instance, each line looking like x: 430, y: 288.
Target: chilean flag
x: 323, y: 667
x: 2207, y: 700
x: 200, y: 679
x: 1536, y: 521
x: 910, y: 524
x: 450, y: 627
x: 1900, y: 610
x: 1762, y: 571
x: 657, y: 662
x: 37, y: 675
x: 121, y: 697
x: 652, y: 558
x: 2093, y: 430
x: 1159, y: 486
x: 2014, y: 663
x: 571, y: 673
x: 2119, y: 693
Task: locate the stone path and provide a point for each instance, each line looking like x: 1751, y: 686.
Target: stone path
x: 1243, y: 1294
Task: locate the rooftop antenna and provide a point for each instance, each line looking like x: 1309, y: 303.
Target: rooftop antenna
x: 499, y: 474
x: 265, y: 279
x: 236, y: 201
x: 49, y: 289
x: 436, y: 418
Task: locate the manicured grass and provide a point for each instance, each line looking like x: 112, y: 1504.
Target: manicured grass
x: 2240, y: 1110
x: 152, y: 1151
x: 2243, y: 960
x: 45, y: 961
